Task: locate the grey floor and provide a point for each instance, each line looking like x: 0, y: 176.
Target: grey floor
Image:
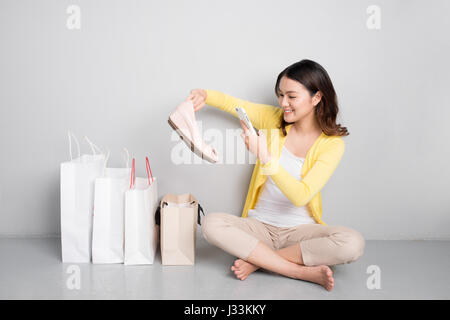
x: 30, y: 268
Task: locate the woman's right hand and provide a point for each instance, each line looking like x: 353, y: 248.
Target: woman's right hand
x: 198, y: 97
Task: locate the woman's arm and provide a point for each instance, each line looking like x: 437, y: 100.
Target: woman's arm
x: 261, y: 115
x: 301, y: 192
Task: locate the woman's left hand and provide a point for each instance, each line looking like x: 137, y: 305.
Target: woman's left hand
x: 256, y: 144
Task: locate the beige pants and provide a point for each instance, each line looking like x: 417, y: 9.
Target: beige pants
x: 319, y: 244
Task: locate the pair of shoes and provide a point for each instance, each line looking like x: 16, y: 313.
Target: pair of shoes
x: 182, y: 120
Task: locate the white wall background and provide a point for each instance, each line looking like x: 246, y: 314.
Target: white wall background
x: 132, y: 62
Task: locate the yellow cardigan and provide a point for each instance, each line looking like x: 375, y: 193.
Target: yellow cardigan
x: 321, y: 160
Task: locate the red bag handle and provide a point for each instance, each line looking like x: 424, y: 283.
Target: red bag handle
x: 149, y: 170
x: 133, y: 173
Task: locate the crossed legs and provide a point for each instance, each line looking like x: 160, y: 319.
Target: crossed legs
x: 243, y: 269
x: 309, y: 251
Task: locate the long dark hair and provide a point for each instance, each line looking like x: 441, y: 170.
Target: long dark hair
x: 315, y: 78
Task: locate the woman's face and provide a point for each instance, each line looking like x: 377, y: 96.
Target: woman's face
x: 295, y: 100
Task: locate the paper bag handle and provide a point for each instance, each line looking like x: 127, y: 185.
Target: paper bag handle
x: 133, y: 172
x: 158, y: 213
x: 106, y: 160
x: 127, y: 155
x: 149, y: 170
x: 127, y: 163
x: 133, y: 175
x: 198, y: 214
x: 70, y: 144
x: 93, y: 146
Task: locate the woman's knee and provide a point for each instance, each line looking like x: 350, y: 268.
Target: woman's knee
x: 211, y: 223
x: 351, y: 246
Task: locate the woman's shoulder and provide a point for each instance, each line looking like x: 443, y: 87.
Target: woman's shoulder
x: 327, y: 143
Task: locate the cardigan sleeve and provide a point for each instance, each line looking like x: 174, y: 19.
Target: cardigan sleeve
x: 261, y: 115
x: 301, y: 192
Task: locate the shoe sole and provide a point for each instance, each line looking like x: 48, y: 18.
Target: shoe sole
x: 189, y: 143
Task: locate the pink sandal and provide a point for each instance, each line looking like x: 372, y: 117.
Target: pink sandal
x: 182, y: 120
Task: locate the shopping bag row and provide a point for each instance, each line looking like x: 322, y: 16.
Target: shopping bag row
x: 108, y: 215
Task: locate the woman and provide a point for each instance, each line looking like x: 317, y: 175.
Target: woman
x: 281, y: 229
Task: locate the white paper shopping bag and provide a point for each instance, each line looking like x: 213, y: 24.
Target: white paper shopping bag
x: 108, y: 219
x: 77, y: 198
x: 141, y: 231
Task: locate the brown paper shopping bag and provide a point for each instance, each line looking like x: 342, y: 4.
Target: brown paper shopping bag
x: 178, y: 216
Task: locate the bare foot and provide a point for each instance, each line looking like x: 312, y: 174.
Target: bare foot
x: 243, y: 268
x: 318, y: 274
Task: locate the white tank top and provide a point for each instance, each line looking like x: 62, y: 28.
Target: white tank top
x: 273, y: 207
